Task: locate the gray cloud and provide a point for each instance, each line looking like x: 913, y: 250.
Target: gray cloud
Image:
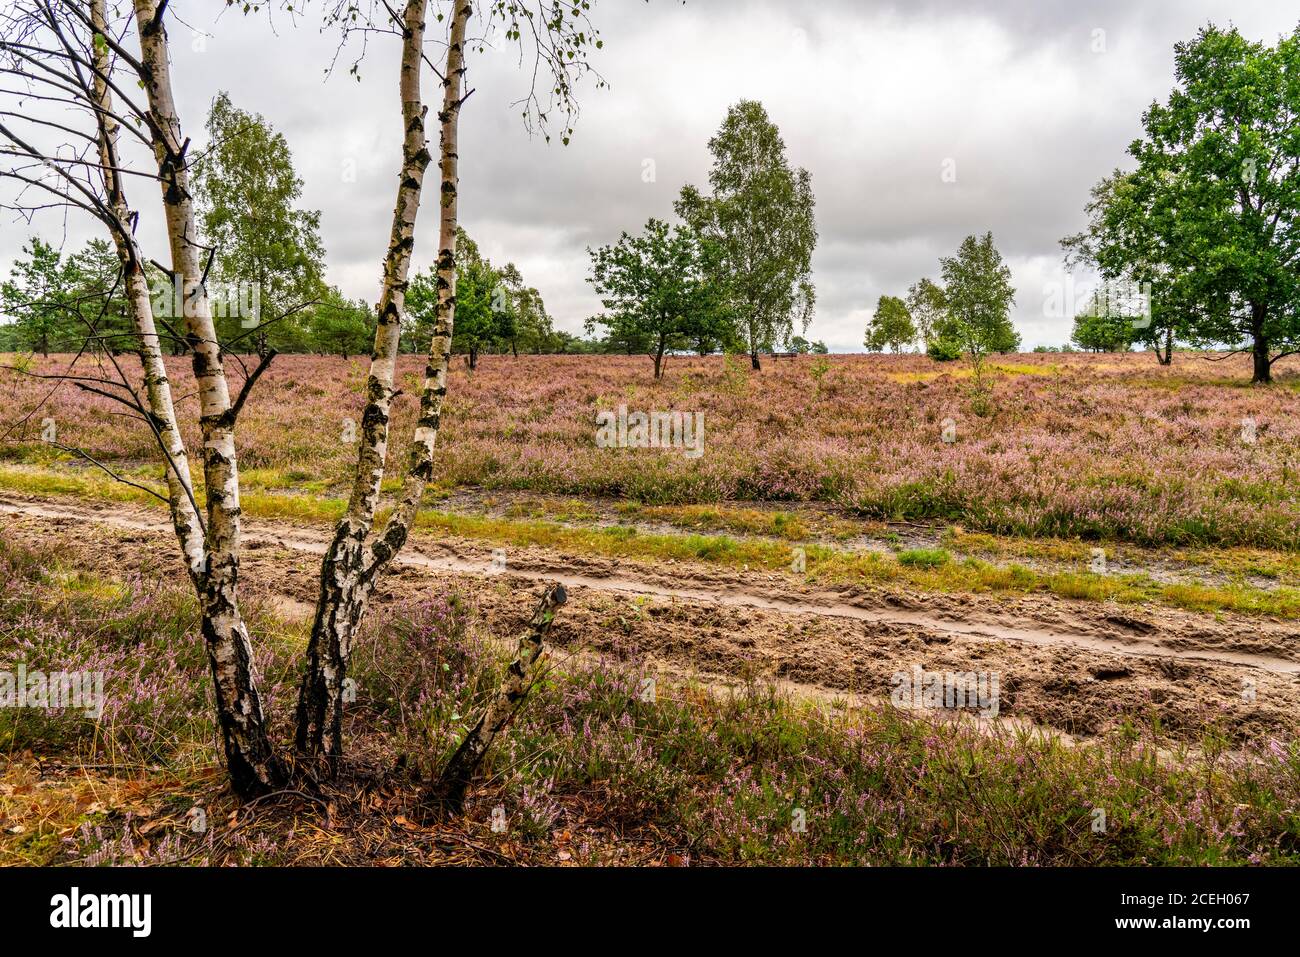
x: 872, y: 98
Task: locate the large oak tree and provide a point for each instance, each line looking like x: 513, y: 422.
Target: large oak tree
x: 1211, y: 215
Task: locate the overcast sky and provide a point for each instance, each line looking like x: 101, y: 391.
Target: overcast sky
x: 1029, y: 102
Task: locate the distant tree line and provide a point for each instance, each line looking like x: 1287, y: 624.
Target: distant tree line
x: 734, y: 275
x: 265, y: 276
x: 57, y: 302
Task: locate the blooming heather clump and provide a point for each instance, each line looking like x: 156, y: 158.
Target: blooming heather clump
x: 142, y: 637
x: 421, y: 671
x: 1094, y: 446
x: 755, y: 777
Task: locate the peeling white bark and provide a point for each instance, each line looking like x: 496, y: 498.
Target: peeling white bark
x: 347, y: 579
x: 180, y: 489
x: 252, y: 763
x: 434, y: 391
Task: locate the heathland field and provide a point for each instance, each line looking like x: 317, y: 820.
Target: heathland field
x: 1107, y: 448
x: 1114, y: 545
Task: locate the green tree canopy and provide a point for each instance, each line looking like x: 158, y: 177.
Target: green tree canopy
x: 248, y: 189
x: 1120, y: 242
x: 59, y: 303
x: 891, y: 326
x: 536, y: 330
x: 493, y: 306
x: 1211, y: 215
x: 760, y: 216
x: 336, y: 325
x: 928, y: 307
x: 37, y: 299
x: 656, y: 290
x: 979, y: 299
x: 1097, y: 330
x: 93, y: 277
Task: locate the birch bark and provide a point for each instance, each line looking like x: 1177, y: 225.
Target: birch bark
x: 180, y: 489
x: 347, y: 573
x: 253, y: 765
x: 434, y: 389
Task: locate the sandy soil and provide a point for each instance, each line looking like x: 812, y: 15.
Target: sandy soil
x: 1076, y: 667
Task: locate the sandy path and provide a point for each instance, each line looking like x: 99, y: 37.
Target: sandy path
x: 1072, y: 665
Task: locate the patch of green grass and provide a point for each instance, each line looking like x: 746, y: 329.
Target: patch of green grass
x: 279, y: 479
x: 561, y: 510
x: 745, y: 521
x: 822, y: 562
x: 924, y: 557
x: 964, y: 371
x: 1257, y: 493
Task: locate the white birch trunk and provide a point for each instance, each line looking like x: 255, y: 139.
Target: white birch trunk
x: 346, y: 578
x: 252, y: 763
x: 180, y: 489
x: 434, y: 391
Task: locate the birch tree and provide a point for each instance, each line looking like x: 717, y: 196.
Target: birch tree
x: 557, y: 35
x: 66, y: 54
x: 890, y: 326
x: 761, y: 217
x: 223, y: 625
x: 69, y: 54
x: 248, y: 193
x: 348, y: 568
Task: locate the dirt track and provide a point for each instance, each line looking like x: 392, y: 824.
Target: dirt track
x: 1074, y: 666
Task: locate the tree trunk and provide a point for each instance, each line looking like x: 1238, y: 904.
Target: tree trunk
x: 473, y: 358
x: 446, y: 795
x: 1168, y: 357
x: 180, y: 490
x: 753, y: 361
x: 252, y: 763
x: 1263, y: 368
x: 347, y: 576
x: 1263, y: 365
x: 659, y: 359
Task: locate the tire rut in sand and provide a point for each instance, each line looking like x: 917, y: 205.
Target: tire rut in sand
x: 1074, y: 666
